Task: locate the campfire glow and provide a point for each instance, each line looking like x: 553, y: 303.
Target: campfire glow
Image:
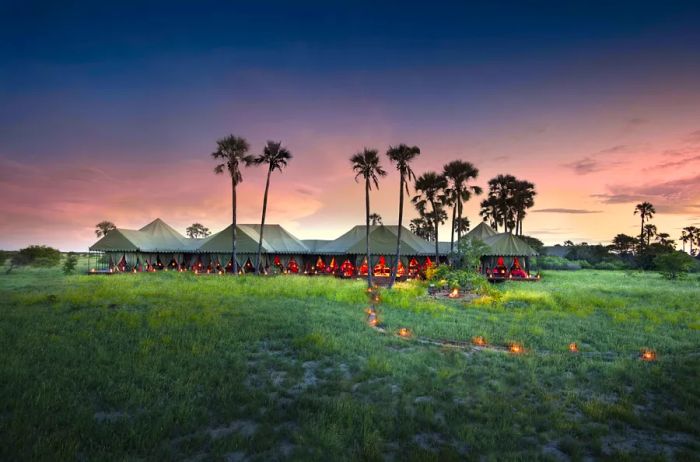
x: 516, y: 348
x: 479, y: 341
x: 454, y: 293
x: 573, y: 347
x: 404, y: 332
x: 647, y: 355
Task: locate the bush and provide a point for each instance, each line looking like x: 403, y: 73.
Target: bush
x: 35, y: 255
x: 462, y: 278
x: 70, y: 263
x: 674, y: 265
x: 556, y: 263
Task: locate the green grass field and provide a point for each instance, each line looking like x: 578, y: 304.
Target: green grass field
x: 174, y: 366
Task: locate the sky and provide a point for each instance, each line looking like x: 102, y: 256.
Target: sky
x: 110, y: 110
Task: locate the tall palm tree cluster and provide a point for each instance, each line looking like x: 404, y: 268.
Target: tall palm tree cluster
x: 232, y: 155
x: 507, y: 203
x: 691, y: 234
x: 436, y: 194
x: 650, y: 236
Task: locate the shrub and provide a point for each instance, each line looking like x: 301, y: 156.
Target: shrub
x: 70, y: 263
x: 674, y: 265
x: 35, y: 255
x: 556, y: 263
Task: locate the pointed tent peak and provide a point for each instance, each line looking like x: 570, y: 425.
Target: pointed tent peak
x: 246, y: 241
x: 382, y: 241
x: 159, y: 225
x: 481, y: 231
x: 116, y: 240
x: 276, y: 237
x: 507, y: 245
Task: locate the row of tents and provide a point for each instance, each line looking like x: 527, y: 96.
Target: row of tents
x: 159, y: 246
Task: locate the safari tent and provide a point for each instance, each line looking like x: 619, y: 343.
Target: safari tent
x: 507, y: 257
x: 351, y: 248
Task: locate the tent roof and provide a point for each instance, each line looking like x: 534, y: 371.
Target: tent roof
x: 505, y: 244
x: 162, y: 236
x: 117, y: 239
x: 443, y: 247
x: 482, y: 231
x: 382, y: 241
x: 314, y: 244
x: 275, y: 240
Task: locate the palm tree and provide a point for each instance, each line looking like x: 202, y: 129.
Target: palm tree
x: 523, y: 198
x: 685, y: 237
x: 430, y: 188
x: 664, y: 240
x: 375, y: 219
x: 232, y: 150
x: 649, y: 232
x: 401, y: 156
x: 366, y: 164
x: 692, y: 235
x: 646, y: 211
x: 276, y: 157
x: 458, y: 173
x: 490, y: 212
x: 501, y: 204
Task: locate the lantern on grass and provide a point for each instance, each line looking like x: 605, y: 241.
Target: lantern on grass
x: 647, y: 355
x: 516, y: 348
x: 573, y: 347
x: 454, y: 293
x: 479, y: 341
x: 404, y: 332
x: 372, y: 319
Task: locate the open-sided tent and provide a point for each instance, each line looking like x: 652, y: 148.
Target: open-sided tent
x: 353, y: 245
x: 507, y: 250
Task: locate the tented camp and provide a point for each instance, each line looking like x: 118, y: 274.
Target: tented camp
x: 508, y: 257
x: 157, y: 246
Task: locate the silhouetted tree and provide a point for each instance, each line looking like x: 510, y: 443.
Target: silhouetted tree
x: 646, y: 211
x: 375, y: 219
x: 104, y: 227
x: 197, y: 230
x: 275, y: 157
x: 233, y: 152
x: 366, y: 165
x: 401, y: 156
x: 458, y: 174
x: 431, y: 189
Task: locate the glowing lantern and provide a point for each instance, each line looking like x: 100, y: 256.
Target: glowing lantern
x: 372, y: 319
x: 454, y: 293
x: 479, y: 341
x: 404, y: 332
x: 516, y: 348
x: 647, y: 355
x: 573, y: 347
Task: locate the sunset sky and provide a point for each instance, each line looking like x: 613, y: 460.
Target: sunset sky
x: 110, y: 110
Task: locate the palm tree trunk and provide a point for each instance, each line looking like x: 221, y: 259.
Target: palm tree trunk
x: 369, y: 260
x: 395, y: 266
x: 262, y: 222
x: 234, y: 265
x: 452, y: 233
x: 641, y: 234
x: 437, y: 245
x: 459, y: 220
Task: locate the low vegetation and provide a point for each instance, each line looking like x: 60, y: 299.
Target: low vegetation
x: 173, y: 366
